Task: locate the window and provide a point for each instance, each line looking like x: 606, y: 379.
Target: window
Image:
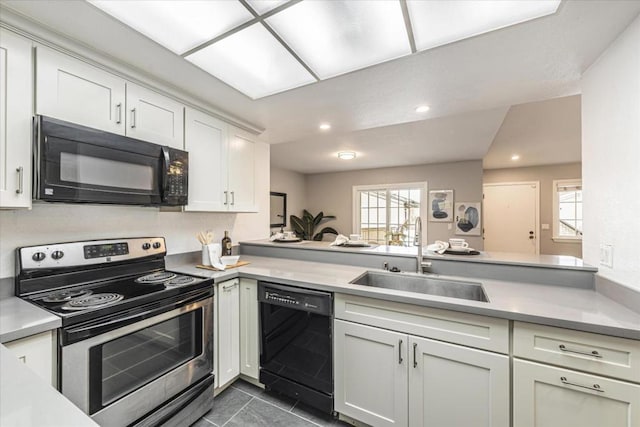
x: 567, y: 210
x: 386, y: 214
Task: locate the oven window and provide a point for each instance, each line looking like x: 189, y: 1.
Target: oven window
x: 83, y: 169
x: 125, y: 364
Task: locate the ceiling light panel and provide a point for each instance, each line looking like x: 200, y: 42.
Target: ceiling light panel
x: 263, y: 6
x: 177, y: 25
x: 253, y: 62
x: 436, y: 23
x: 335, y: 37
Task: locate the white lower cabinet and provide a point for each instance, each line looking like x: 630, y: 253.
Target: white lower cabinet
x: 386, y: 378
x: 249, y: 339
x: 227, y: 349
x: 547, y: 396
x: 37, y: 352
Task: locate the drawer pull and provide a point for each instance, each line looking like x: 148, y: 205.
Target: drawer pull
x: 415, y: 360
x: 594, y: 353
x: 595, y: 387
x: 227, y: 288
x: 400, y: 353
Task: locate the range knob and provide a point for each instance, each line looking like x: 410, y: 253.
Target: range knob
x: 156, y: 245
x: 57, y: 254
x: 146, y: 246
x: 38, y: 256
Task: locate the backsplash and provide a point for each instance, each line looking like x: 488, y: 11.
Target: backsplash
x: 52, y: 223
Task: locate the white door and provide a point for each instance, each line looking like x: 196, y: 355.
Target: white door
x: 16, y: 109
x: 72, y: 90
x: 511, y: 217
x: 455, y: 386
x: 249, y: 340
x: 546, y: 396
x: 228, y: 327
x: 38, y: 353
x: 206, y: 142
x: 242, y: 157
x: 154, y: 118
x: 370, y: 377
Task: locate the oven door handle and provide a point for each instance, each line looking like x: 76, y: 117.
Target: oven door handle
x: 76, y: 334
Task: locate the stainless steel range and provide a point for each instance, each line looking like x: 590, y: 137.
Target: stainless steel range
x: 136, y: 343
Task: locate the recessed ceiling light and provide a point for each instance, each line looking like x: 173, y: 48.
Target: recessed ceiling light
x: 347, y: 155
x: 325, y: 126
x: 515, y: 157
x: 422, y: 109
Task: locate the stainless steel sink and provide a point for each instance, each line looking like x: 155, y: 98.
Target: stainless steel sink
x: 423, y: 285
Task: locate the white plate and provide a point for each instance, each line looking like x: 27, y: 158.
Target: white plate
x: 461, y: 250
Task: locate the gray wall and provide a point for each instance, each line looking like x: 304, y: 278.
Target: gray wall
x: 546, y: 175
x: 332, y: 192
x: 292, y: 183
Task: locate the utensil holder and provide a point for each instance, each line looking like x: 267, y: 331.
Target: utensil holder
x: 214, y: 248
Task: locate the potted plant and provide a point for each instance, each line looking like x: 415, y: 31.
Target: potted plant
x: 305, y: 227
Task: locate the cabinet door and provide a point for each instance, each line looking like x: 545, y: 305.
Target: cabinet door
x: 242, y: 197
x: 548, y: 396
x: 16, y: 109
x: 206, y: 142
x: 370, y: 378
x: 154, y: 117
x: 228, y: 327
x: 249, y: 340
x: 37, y: 352
x: 73, y: 90
x: 455, y: 386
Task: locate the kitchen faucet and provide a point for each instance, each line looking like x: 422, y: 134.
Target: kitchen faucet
x: 420, y: 265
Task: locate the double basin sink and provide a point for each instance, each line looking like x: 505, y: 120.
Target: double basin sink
x: 423, y: 284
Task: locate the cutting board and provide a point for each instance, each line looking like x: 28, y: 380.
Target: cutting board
x: 209, y: 267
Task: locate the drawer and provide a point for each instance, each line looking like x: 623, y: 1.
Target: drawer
x: 487, y: 333
x: 600, y: 354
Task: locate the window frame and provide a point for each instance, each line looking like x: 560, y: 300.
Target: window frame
x: 355, y: 206
x: 577, y: 182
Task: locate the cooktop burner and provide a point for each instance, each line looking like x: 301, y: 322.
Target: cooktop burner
x: 180, y: 281
x: 159, y: 277
x: 91, y: 301
x: 66, y: 295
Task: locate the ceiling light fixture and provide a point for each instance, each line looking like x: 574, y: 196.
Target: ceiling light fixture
x: 346, y: 155
x: 422, y: 109
x: 515, y: 157
x: 325, y: 126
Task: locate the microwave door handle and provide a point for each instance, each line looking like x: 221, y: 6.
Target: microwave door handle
x: 166, y: 159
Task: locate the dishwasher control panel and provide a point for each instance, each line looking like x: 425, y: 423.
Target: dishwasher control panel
x: 296, y: 298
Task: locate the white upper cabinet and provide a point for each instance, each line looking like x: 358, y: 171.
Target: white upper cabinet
x: 16, y: 109
x: 242, y: 158
x: 206, y: 142
x: 154, y: 117
x: 74, y: 91
x: 221, y: 165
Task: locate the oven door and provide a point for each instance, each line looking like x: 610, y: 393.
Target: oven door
x: 121, y: 375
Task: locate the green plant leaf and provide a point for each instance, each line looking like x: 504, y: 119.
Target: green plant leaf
x: 318, y: 218
x: 298, y: 226
x: 321, y: 233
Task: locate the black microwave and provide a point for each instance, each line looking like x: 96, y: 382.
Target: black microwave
x: 77, y: 164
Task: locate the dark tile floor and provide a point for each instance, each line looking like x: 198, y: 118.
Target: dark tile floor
x: 245, y: 405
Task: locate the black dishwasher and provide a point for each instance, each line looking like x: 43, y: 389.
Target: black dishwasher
x: 296, y: 357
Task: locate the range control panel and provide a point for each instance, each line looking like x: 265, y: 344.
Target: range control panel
x: 71, y: 254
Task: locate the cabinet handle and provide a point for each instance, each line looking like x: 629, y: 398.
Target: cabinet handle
x: 229, y: 287
x: 119, y: 113
x: 400, y: 352
x: 20, y: 171
x: 593, y: 353
x: 23, y: 359
x: 226, y: 197
x: 133, y: 118
x: 595, y: 387
x: 233, y: 198
x: 415, y: 359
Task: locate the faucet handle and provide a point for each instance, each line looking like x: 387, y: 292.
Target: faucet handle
x: 386, y: 266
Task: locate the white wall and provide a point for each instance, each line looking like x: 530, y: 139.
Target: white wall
x: 52, y: 223
x: 292, y: 183
x: 332, y: 192
x: 611, y: 158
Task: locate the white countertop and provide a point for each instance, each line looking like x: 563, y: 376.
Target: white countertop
x: 507, y: 258
x: 26, y: 400
x: 568, y: 307
x: 19, y: 319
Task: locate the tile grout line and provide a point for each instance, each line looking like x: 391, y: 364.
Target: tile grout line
x: 243, y: 406
x: 288, y: 411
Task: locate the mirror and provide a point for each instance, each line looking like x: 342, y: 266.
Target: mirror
x: 278, y: 215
